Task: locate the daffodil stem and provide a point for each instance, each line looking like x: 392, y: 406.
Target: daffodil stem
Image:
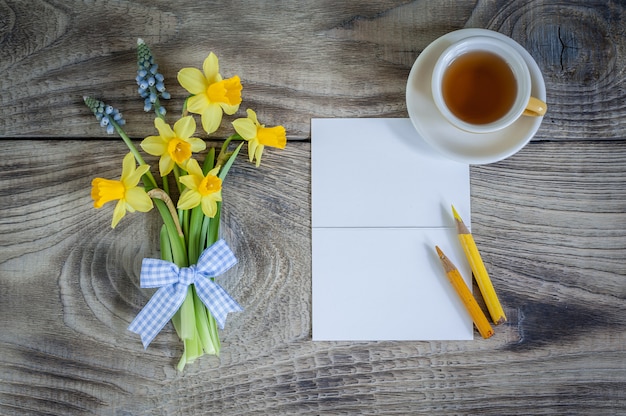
x: 185, y: 112
x: 166, y: 184
x: 224, y: 155
x: 177, y: 173
x: 147, y: 177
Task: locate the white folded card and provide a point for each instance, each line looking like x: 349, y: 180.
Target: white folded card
x: 381, y: 201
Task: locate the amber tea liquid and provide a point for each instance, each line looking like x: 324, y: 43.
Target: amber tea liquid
x: 479, y: 87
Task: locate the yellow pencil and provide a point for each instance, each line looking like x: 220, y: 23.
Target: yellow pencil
x: 479, y: 270
x: 479, y: 318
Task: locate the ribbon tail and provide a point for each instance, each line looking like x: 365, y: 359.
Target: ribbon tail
x: 157, y: 312
x: 217, y: 300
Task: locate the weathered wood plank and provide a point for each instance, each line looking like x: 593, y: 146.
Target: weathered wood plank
x: 297, y: 60
x: 550, y: 221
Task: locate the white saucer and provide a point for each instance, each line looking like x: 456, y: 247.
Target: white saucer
x: 452, y: 142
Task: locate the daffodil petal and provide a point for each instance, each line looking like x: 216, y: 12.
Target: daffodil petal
x: 197, y: 145
x: 190, y: 181
x: 185, y: 127
x: 229, y: 109
x: 118, y: 212
x: 252, y: 116
x: 165, y: 131
x: 209, y: 206
x: 134, y: 178
x: 128, y: 166
x: 166, y: 164
x: 214, y: 171
x: 193, y: 167
x: 211, y: 118
x: 198, y: 103
x: 189, y: 199
x: 245, y: 128
x: 211, y: 68
x: 252, y: 145
x: 154, y: 145
x: 138, y: 199
x: 192, y: 80
x: 258, y: 152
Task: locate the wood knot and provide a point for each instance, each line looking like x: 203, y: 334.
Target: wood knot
x: 577, y: 51
x: 571, y: 43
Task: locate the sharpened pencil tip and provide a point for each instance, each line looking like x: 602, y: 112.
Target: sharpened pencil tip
x: 456, y: 214
x: 439, y: 252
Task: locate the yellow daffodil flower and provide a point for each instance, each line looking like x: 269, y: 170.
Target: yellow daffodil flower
x: 174, y: 146
x: 211, y: 93
x: 201, y: 189
x: 131, y: 197
x: 259, y: 136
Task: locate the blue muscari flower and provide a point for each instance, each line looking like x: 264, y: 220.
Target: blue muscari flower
x: 107, y: 115
x: 149, y: 80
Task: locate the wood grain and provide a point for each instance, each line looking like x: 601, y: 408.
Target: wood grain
x: 550, y: 221
x: 296, y: 60
x: 69, y: 287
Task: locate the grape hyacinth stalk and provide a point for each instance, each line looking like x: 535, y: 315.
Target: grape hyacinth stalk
x: 150, y: 81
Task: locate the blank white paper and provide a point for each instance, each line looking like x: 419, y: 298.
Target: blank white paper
x: 380, y: 203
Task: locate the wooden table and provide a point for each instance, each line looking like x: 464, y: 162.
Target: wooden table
x: 550, y: 221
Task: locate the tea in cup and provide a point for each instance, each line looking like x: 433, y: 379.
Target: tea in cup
x: 481, y: 84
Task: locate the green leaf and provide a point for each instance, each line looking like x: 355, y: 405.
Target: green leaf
x: 214, y: 226
x: 177, y: 243
x: 215, y: 336
x: 166, y: 245
x: 209, y: 161
x: 194, y: 233
x: 203, y: 326
x: 229, y: 163
x: 206, y: 223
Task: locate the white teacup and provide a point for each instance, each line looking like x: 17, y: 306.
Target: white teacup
x: 481, y: 84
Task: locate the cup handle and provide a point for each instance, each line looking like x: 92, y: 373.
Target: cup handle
x: 535, y: 108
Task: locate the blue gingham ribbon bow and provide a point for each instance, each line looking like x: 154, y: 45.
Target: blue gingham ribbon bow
x: 173, y: 283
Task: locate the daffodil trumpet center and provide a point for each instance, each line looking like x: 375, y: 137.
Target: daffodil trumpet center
x: 209, y: 185
x: 179, y: 150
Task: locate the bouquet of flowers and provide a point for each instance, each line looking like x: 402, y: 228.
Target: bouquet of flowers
x: 188, y: 196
